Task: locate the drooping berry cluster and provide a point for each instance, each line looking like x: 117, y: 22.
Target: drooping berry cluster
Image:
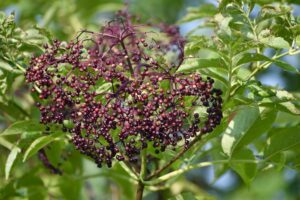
x: 117, y: 91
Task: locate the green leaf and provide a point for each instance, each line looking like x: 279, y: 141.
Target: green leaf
x: 110, y: 7
x: 70, y: 187
x: 298, y: 40
x: 2, y: 16
x: 68, y: 123
x: 217, y: 74
x: 39, y: 143
x: 8, y: 67
x: 247, y: 171
x: 223, y: 4
x: 261, y: 125
x: 242, y: 74
x: 282, y: 139
x: 118, y: 175
x: 12, y: 109
x: 285, y: 66
x: 10, y: 160
x: 238, y: 127
x: 205, y: 10
x: 202, y: 45
x: 285, y: 95
x: 23, y: 126
x: 250, y: 57
x: 33, y: 37
x: 55, y: 150
x: 253, y: 57
x: 203, y: 63
x: 281, y: 100
x: 280, y: 160
x: 45, y: 33
x: 32, y: 184
x: 37, y: 192
x: 7, y: 144
x: 217, y: 154
x: 289, y: 107
x: 103, y: 88
x: 7, y: 191
x: 224, y: 31
x: 275, y: 42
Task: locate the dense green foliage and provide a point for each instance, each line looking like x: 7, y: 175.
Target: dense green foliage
x: 234, y: 43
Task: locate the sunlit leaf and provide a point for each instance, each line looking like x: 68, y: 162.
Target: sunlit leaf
x: 275, y: 42
x: 242, y: 121
x: 203, y: 63
x: 205, y: 10
x: 8, y: 67
x: 20, y: 127
x: 10, y: 160
x: 39, y: 143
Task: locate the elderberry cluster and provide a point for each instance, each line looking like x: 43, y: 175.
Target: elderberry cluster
x: 117, y: 91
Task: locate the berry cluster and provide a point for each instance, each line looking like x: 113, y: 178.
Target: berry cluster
x: 117, y: 91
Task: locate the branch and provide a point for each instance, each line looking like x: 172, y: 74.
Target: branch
x: 143, y: 170
x: 140, y: 191
x: 200, y: 165
x: 191, y: 167
x: 128, y: 59
x: 174, y: 159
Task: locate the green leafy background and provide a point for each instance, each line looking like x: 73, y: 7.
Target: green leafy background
x: 251, y: 49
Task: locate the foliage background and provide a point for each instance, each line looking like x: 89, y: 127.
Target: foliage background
x: 82, y: 179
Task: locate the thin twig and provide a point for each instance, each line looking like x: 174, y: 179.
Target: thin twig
x: 206, y: 164
x: 174, y: 159
x: 128, y: 60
